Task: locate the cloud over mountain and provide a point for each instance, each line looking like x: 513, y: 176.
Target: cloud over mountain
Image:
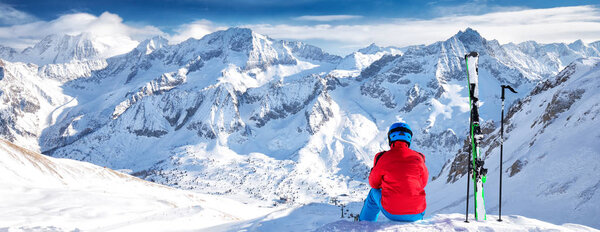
x: 196, y: 30
x: 332, y: 32
x: 108, y: 27
x: 560, y: 24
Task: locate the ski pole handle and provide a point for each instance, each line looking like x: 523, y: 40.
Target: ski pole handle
x: 509, y: 88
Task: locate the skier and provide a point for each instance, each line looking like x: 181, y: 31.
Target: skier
x: 397, y: 179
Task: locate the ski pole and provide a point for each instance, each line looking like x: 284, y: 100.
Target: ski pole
x: 468, y: 182
x: 501, y: 148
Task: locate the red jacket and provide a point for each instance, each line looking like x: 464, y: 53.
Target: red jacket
x: 401, y: 175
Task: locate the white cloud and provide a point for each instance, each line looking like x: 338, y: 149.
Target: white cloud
x: 326, y: 18
x: 12, y: 16
x: 196, y: 30
x: 107, y: 29
x: 561, y: 24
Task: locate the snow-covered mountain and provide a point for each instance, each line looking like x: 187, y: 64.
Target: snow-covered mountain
x: 551, y: 153
x: 549, y: 58
x: 7, y: 53
x: 240, y: 114
x: 61, y: 49
x: 374, y: 49
x: 352, y: 64
x: 215, y: 92
x: 29, y: 103
x: 54, y: 49
x: 58, y: 49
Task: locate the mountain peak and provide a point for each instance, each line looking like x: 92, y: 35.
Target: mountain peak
x: 374, y: 49
x: 62, y: 38
x: 232, y: 32
x: 239, y: 30
x: 468, y: 36
x: 63, y: 48
x: 577, y: 45
x: 471, y: 31
x: 7, y: 53
x: 150, y: 45
x: 50, y: 38
x: 577, y: 42
x: 234, y: 38
x: 371, y: 49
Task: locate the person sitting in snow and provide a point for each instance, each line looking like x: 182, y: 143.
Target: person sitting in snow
x: 398, y: 180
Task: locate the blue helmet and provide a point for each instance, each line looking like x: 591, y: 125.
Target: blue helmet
x: 400, y: 132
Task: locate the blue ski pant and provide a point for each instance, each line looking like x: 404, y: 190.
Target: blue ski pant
x: 372, y: 208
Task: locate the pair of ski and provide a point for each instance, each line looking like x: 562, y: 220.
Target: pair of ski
x: 475, y: 169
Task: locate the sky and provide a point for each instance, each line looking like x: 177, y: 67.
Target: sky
x: 338, y: 26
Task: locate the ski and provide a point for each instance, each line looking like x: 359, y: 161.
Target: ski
x: 478, y: 172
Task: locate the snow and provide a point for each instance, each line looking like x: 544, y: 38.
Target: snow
x: 455, y: 222
x: 58, y: 49
x: 550, y: 158
x: 29, y: 100
x: 285, y: 125
x: 46, y: 194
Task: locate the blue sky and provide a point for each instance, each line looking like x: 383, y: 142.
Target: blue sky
x: 168, y: 14
x: 339, y: 26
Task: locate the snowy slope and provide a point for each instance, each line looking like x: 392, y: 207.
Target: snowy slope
x: 31, y: 92
x: 323, y: 217
x: 454, y: 222
x: 41, y: 193
x: 551, y: 154
x: 29, y: 103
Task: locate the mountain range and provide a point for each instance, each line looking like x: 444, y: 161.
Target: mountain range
x: 243, y: 115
